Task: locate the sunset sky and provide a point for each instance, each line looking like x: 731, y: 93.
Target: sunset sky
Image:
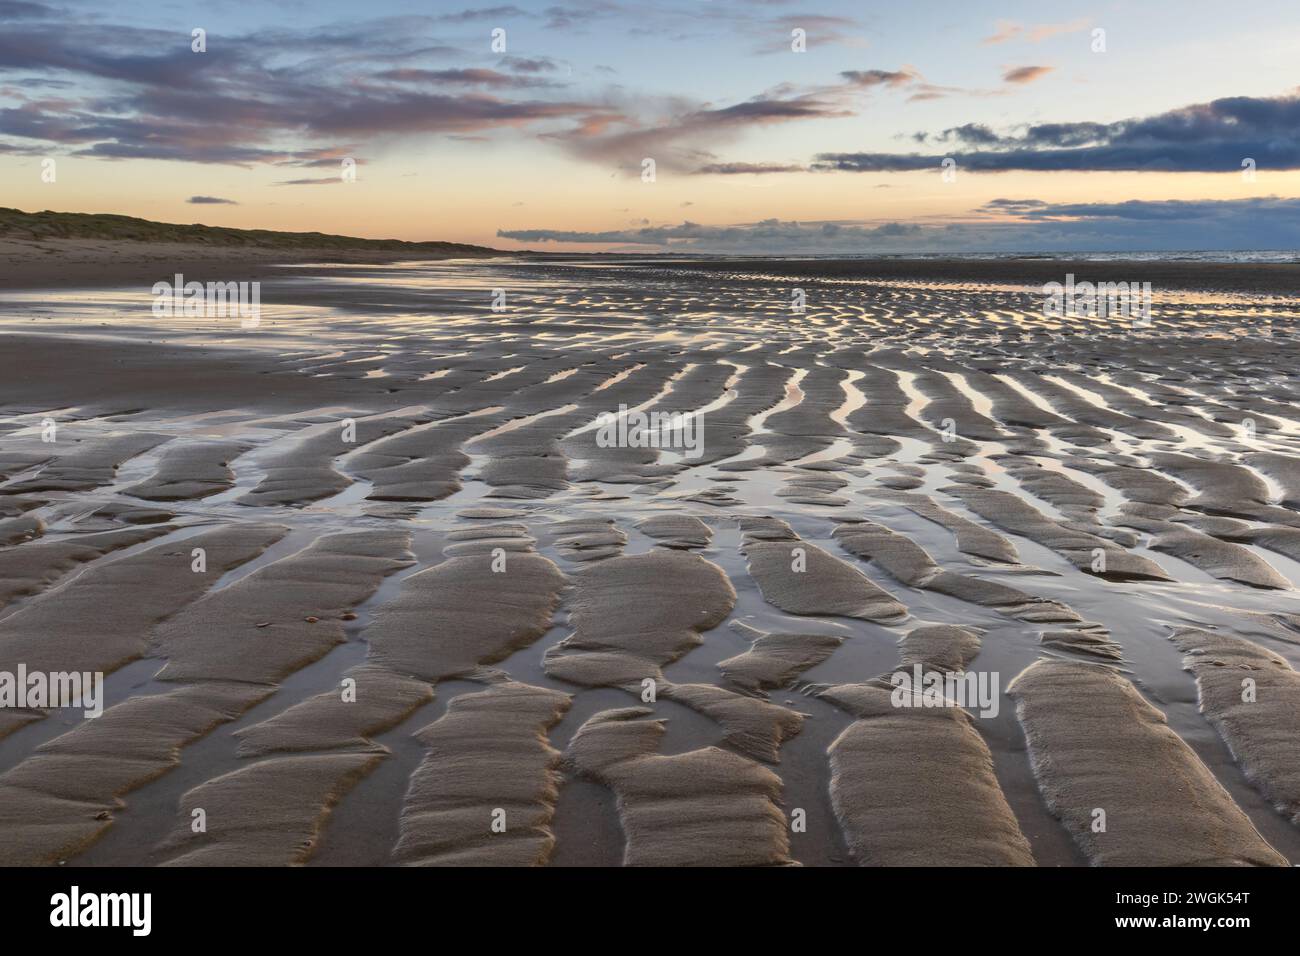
x: 1063, y: 138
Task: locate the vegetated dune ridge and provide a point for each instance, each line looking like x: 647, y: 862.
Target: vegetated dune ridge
x: 56, y: 249
x: 16, y: 224
x: 370, y: 585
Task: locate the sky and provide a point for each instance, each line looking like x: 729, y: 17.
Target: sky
x: 710, y: 126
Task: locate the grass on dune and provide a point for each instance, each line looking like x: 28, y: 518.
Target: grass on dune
x: 16, y: 224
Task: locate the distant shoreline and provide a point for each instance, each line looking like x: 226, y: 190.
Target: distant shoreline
x: 43, y: 250
x: 53, y: 264
x: 1269, y: 278
x: 99, y: 263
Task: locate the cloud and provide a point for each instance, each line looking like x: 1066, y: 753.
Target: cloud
x: 211, y: 201
x: 316, y: 181
x: 880, y: 77
x: 768, y: 31
x: 530, y: 64
x: 684, y: 139
x: 1206, y: 137
x: 484, y: 13
x: 1143, y: 210
x: 976, y: 134
x: 18, y: 10
x: 775, y: 35
x: 1265, y: 222
x: 282, y: 93
x: 905, y: 78
x: 767, y: 236
x: 1026, y: 74
x: 931, y: 92
x: 1007, y: 30
x: 1001, y: 225
x: 328, y: 158
x: 1013, y: 206
x: 735, y: 169
x: 463, y: 77
x: 574, y: 17
x: 415, y: 113
x: 143, y: 94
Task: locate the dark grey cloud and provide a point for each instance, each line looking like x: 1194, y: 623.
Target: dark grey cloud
x: 1264, y: 222
x: 575, y: 16
x: 1142, y: 210
x: 769, y: 235
x: 880, y: 77
x: 973, y: 134
x: 464, y: 76
x: 766, y: 110
x: 19, y: 10
x: 143, y: 93
x: 768, y: 29
x: 1206, y: 137
x: 484, y: 13
x: 136, y: 93
x: 211, y: 201
x: 414, y: 113
x: 737, y: 169
x: 1013, y: 206
x: 530, y: 64
x: 36, y: 83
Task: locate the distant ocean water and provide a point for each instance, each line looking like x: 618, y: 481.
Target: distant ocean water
x: 1208, y: 255
x: 1205, y: 255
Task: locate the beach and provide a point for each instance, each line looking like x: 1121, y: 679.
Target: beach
x: 391, y: 572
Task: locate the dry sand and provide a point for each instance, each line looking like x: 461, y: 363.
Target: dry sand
x: 368, y: 584
x: 88, y: 263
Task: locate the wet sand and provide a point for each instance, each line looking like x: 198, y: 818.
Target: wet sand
x: 368, y: 586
